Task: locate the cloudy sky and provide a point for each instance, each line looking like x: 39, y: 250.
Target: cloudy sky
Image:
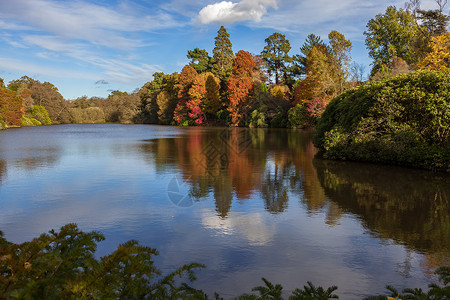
x: 93, y: 47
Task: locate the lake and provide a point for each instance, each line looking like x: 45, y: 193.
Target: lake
x: 247, y: 203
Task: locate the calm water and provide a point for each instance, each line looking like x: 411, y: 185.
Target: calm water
x: 247, y: 203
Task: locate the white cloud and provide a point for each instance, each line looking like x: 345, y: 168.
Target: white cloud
x: 228, y: 12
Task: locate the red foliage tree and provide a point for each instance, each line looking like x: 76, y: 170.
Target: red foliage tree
x: 240, y: 84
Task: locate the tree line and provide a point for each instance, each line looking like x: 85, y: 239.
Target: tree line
x: 269, y: 89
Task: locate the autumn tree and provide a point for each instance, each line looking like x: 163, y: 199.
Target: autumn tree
x: 391, y: 34
x: 11, y: 109
x: 185, y: 81
x: 340, y: 58
x: 240, y: 84
x: 47, y: 95
x: 276, y: 54
x: 222, y: 55
x: 121, y: 107
x: 439, y: 57
x: 200, y: 60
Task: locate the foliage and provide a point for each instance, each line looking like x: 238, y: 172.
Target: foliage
x: 240, y: 84
x: 340, y: 58
x: 392, y: 34
x: 11, y: 107
x: 47, y: 95
x: 276, y: 54
x: 200, y: 60
x: 222, y: 55
x: 40, y: 113
x: 299, y: 61
x: 148, y: 108
x: 186, y: 80
x: 29, y: 121
x: 258, y: 118
x: 298, y: 117
x: 90, y: 115
x: 435, y: 292
x: 121, y: 107
x: 211, y: 104
x: 439, y: 56
x: 62, y: 265
x: 401, y: 120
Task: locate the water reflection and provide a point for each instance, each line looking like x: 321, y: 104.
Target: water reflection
x: 236, y: 162
x: 227, y: 164
x: 261, y: 204
x: 408, y: 206
x: 2, y: 170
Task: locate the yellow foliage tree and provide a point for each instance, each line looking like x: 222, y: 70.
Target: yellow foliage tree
x: 439, y: 57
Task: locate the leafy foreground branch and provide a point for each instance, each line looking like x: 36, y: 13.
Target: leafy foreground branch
x: 61, y: 265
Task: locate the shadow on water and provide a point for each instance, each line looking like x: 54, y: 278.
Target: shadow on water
x: 408, y: 206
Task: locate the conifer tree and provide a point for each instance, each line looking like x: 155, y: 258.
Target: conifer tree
x: 222, y: 55
x: 276, y: 54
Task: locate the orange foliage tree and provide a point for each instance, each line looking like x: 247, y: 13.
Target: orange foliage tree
x: 11, y: 107
x: 240, y: 84
x: 185, y: 81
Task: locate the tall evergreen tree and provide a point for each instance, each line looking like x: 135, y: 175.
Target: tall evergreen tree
x: 276, y: 54
x: 222, y: 55
x: 298, y: 67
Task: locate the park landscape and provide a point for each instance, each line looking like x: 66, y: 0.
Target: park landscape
x: 252, y: 144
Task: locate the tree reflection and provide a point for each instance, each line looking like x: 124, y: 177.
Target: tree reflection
x: 2, y: 170
x: 394, y: 203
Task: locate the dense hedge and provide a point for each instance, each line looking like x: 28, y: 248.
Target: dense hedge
x: 404, y: 120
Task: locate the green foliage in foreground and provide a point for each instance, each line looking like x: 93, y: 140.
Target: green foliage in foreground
x: 403, y: 120
x: 61, y: 265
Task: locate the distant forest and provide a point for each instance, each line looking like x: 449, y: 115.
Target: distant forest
x: 269, y: 89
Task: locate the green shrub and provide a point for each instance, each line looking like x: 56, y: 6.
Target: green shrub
x: 28, y: 121
x: 258, y: 118
x: 40, y: 114
x: 2, y: 124
x: 298, y: 117
x: 403, y: 120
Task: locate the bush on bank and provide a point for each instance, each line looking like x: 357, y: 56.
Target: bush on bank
x: 404, y: 120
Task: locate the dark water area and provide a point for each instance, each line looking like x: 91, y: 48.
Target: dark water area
x: 247, y: 203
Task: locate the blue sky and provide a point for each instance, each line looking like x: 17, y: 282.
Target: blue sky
x: 93, y: 47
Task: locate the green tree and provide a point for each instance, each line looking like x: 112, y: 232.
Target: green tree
x: 149, y: 93
x: 222, y: 55
x: 276, y: 54
x: 200, y: 60
x: 298, y: 67
x: 392, y: 34
x: 211, y: 104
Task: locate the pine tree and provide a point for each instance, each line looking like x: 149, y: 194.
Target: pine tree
x: 222, y: 55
